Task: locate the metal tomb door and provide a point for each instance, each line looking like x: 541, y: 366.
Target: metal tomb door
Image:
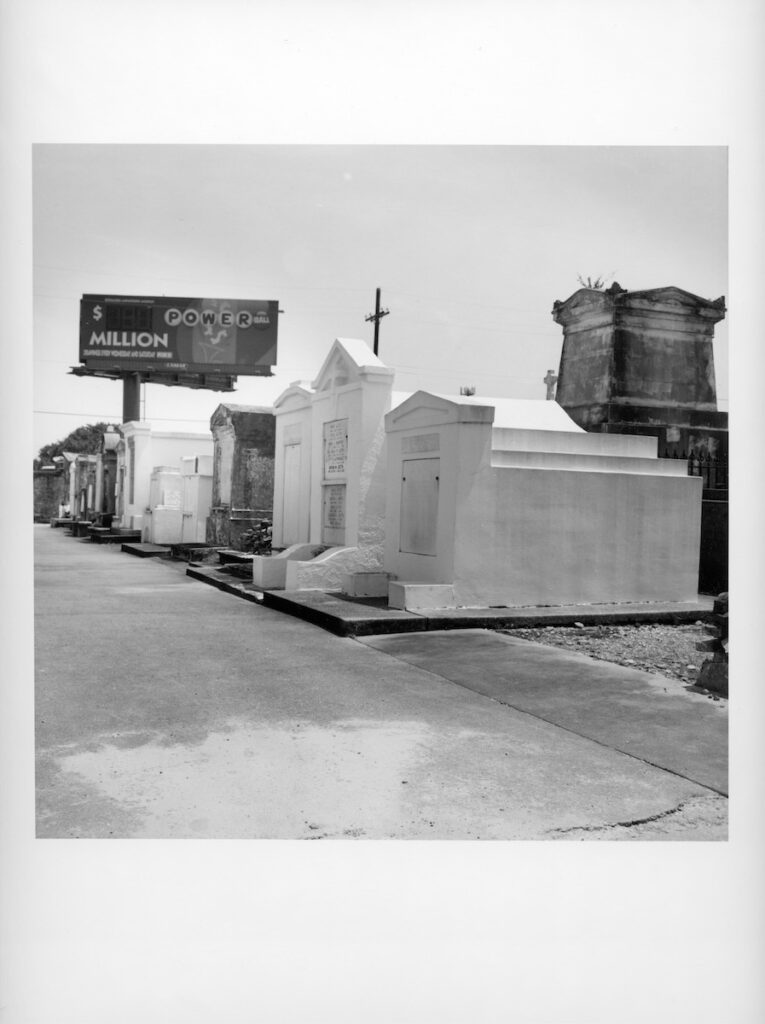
x: 419, y: 506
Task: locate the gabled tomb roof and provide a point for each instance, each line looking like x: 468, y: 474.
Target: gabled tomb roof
x: 618, y: 297
x: 348, y: 358
x: 508, y: 413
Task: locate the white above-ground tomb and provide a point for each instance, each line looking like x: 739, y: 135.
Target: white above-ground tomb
x: 497, y: 502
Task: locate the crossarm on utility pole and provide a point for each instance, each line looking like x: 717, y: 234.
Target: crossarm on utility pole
x: 377, y: 317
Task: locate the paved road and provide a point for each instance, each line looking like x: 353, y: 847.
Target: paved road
x: 165, y: 708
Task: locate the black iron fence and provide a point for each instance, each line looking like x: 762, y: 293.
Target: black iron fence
x: 712, y: 470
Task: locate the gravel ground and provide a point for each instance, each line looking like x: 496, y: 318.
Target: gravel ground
x: 664, y: 650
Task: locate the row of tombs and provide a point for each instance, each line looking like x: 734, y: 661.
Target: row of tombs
x: 432, y: 501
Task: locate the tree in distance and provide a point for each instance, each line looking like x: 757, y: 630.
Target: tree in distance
x: 84, y: 440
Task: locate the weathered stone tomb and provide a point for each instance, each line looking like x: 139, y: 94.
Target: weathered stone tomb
x: 642, y: 362
x: 243, y: 471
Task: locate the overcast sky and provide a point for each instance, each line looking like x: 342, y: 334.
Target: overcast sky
x: 471, y: 245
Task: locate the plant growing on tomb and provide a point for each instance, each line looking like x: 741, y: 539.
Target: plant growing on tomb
x: 597, y: 284
x: 257, y: 540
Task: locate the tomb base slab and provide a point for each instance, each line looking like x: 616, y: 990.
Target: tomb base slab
x: 415, y: 596
x: 366, y: 584
x: 270, y: 571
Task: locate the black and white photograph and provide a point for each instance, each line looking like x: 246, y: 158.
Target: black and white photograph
x: 382, y: 413
x: 478, y: 513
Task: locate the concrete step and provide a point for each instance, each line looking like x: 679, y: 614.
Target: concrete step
x: 238, y: 570
x: 227, y: 556
x: 146, y: 550
x: 344, y: 616
x: 356, y: 616
x: 123, y: 537
x: 195, y: 552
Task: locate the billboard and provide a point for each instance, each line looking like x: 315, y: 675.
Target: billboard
x: 130, y: 333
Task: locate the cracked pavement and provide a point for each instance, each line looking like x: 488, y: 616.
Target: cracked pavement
x: 167, y: 709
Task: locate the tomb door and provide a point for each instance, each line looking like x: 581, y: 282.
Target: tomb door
x: 188, y: 505
x: 131, y: 470
x: 119, y: 495
x: 291, y: 495
x: 419, y: 506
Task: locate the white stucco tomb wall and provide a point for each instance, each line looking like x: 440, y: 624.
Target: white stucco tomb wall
x: 197, y: 485
x: 142, y: 450
x: 329, y: 472
x: 292, y: 467
x: 164, y: 515
x: 532, y: 510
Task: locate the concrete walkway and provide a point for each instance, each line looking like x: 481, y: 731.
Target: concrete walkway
x: 658, y: 720
x: 165, y: 708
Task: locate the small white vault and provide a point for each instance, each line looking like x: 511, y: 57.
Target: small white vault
x: 147, y: 462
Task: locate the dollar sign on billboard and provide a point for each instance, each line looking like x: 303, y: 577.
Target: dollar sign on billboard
x: 97, y: 314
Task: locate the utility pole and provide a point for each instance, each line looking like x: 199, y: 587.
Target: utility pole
x: 377, y: 317
x: 131, y: 397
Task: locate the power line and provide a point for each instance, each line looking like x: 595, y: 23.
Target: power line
x: 521, y: 330
x: 446, y: 371
x: 467, y: 302
x: 348, y: 311
x: 115, y: 417
x: 440, y: 299
x: 61, y: 412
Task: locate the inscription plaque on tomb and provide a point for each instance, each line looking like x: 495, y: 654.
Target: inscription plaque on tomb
x: 335, y: 448
x: 419, y: 443
x: 334, y: 506
x: 171, y: 498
